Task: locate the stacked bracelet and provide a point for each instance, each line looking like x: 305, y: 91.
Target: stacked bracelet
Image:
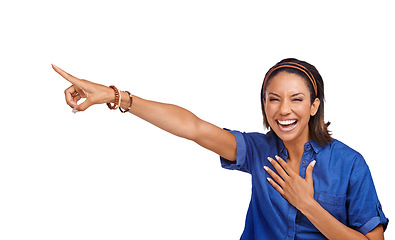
x: 130, y: 104
x: 117, y: 101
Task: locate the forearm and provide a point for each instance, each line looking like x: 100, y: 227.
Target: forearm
x: 183, y: 123
x: 328, y: 225
x: 171, y: 118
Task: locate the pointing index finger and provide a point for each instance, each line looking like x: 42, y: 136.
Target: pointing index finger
x: 66, y: 75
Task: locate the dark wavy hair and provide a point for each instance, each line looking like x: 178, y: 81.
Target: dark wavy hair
x: 318, y: 128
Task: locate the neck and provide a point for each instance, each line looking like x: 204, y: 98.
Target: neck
x: 295, y: 151
x: 296, y: 148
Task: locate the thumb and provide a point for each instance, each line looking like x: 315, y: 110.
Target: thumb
x: 83, y: 106
x: 309, y: 172
x: 73, y: 80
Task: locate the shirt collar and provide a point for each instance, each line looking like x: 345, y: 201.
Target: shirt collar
x: 316, y: 147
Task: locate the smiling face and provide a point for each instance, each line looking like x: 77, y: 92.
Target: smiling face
x: 288, y: 107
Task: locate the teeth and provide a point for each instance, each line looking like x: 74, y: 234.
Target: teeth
x: 286, y: 122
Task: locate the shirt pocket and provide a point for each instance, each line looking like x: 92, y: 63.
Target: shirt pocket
x: 335, y: 205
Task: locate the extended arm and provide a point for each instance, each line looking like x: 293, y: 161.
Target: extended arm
x: 171, y: 118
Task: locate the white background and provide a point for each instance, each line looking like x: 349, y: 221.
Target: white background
x: 101, y: 174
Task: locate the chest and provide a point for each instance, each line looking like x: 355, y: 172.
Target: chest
x: 330, y: 188
x: 294, y: 165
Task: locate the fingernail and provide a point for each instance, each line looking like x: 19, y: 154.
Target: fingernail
x: 269, y: 159
x: 266, y: 168
x: 268, y: 179
x: 313, y: 163
x: 75, y: 111
x: 277, y: 157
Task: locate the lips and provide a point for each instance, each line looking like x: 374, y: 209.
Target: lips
x: 287, y: 125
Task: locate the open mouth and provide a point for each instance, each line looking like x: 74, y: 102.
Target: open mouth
x: 287, y: 125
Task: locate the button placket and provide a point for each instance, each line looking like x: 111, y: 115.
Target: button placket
x: 306, y: 159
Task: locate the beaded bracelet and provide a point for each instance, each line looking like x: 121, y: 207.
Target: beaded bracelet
x: 117, y: 101
x: 130, y: 104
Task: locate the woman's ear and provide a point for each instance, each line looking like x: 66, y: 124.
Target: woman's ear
x: 314, y: 107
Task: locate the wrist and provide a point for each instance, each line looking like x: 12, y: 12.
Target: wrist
x: 110, y: 95
x: 126, y: 101
x: 308, y: 206
x: 117, y: 99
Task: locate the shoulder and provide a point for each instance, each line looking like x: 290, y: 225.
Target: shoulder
x: 260, y: 138
x: 345, y: 153
x: 340, y: 147
x: 252, y: 135
x: 255, y: 139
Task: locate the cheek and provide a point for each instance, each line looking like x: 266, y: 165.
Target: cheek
x: 270, y: 110
x: 304, y: 111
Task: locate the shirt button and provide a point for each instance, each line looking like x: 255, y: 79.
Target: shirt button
x: 304, y: 161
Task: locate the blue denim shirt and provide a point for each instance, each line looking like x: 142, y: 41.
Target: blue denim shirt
x: 343, y: 186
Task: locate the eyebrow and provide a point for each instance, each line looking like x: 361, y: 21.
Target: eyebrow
x: 296, y: 94
x: 293, y: 95
x: 275, y: 94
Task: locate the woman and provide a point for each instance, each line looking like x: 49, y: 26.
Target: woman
x: 289, y: 200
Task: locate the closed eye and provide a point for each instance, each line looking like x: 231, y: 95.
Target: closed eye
x: 273, y: 99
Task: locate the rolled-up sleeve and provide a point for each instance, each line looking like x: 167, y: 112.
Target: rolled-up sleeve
x: 241, y: 159
x: 364, y: 208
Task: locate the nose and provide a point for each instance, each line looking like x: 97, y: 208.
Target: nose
x: 285, y: 108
